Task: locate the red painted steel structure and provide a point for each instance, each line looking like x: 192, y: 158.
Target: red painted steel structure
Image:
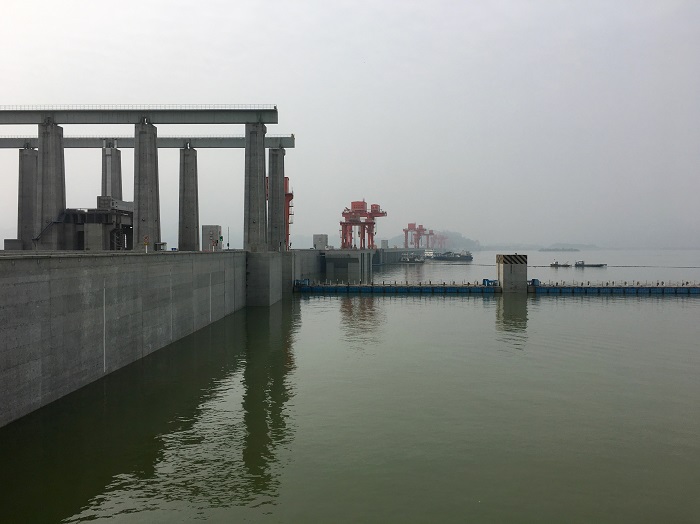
x: 358, y: 216
x: 289, y: 209
x: 417, y: 234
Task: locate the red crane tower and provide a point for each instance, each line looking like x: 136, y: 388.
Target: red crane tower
x: 288, y: 208
x: 417, y: 234
x: 358, y: 216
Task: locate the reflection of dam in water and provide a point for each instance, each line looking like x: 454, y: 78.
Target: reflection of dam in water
x: 212, y: 404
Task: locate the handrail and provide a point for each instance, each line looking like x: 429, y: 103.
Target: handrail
x: 117, y: 107
x: 122, y: 137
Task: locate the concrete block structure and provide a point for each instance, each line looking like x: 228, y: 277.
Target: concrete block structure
x: 320, y: 241
x: 212, y: 238
x: 512, y: 273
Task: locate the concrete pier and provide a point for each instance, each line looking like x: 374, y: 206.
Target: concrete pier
x: 188, y: 228
x: 255, y: 208
x: 51, y: 188
x: 277, y: 235
x: 112, y: 172
x: 146, y: 189
x: 28, y: 214
x: 264, y: 278
x: 512, y: 273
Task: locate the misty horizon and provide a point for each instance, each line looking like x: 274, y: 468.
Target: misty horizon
x: 510, y: 123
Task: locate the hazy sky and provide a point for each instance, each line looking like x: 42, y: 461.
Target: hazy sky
x: 508, y: 121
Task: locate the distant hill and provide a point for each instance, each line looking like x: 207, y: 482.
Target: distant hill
x: 569, y: 247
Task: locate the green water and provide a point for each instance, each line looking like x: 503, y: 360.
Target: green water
x: 383, y: 409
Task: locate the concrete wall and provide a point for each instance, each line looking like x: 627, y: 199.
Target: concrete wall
x: 69, y: 319
x: 307, y: 264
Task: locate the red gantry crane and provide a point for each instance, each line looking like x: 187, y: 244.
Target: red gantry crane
x: 358, y: 216
x: 417, y: 234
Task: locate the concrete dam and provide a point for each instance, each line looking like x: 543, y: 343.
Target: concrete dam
x: 84, y: 292
x: 68, y: 319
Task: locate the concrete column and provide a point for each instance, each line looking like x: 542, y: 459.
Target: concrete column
x: 255, y: 208
x: 112, y: 172
x: 51, y: 188
x: 28, y: 214
x: 188, y: 230
x: 277, y: 234
x: 146, y: 191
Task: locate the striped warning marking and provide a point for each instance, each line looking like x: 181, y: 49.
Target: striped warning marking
x: 511, y: 259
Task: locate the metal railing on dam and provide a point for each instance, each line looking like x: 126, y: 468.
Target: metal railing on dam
x: 491, y: 288
x: 392, y: 289
x: 615, y: 290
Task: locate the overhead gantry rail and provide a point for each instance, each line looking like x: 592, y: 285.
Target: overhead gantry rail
x: 128, y: 114
x: 127, y: 142
x: 42, y: 168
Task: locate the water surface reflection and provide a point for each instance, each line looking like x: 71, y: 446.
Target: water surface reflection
x: 196, y: 424
x: 511, y: 319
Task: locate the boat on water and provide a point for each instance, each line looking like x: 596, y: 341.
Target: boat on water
x: 582, y: 264
x: 558, y: 264
x: 412, y: 258
x: 450, y: 256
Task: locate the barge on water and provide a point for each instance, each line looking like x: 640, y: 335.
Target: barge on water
x: 582, y: 264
